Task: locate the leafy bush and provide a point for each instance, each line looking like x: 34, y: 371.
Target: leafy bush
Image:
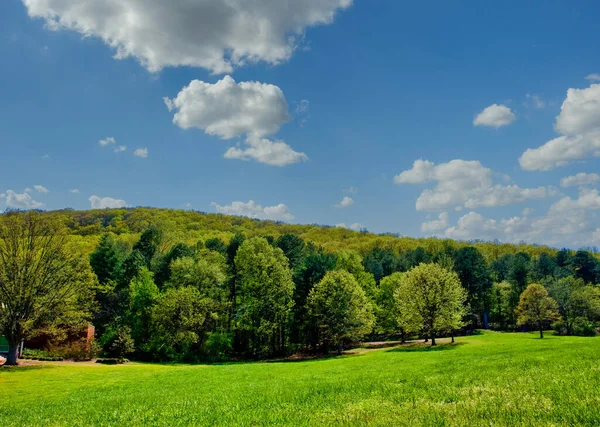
x: 117, y: 342
x: 583, y: 327
x: 78, y: 351
x: 218, y: 347
x: 35, y: 354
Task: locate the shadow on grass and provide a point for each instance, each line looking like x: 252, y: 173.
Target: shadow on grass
x: 21, y: 368
x: 425, y: 347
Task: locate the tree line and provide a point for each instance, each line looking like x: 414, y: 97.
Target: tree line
x: 267, y: 296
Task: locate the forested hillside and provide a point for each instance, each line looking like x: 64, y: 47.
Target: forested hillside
x: 178, y: 285
x: 179, y: 226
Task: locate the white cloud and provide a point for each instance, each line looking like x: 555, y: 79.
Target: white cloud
x: 568, y: 222
x: 356, y: 226
x: 228, y: 109
x: 41, y: 189
x: 106, y: 203
x: 107, y: 141
x: 141, y: 152
x: 593, y: 77
x: 461, y: 183
x: 302, y: 107
x: 74, y: 191
x: 436, y: 225
x: 120, y: 149
x: 579, y: 180
x: 273, y: 153
x: 536, y: 100
x: 351, y: 190
x: 527, y: 212
x: 20, y: 201
x: 302, y: 112
x: 495, y: 116
x: 579, y: 126
x: 213, y: 34
x: 254, y: 210
x: 346, y: 202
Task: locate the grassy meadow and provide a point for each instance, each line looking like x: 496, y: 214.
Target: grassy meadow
x: 491, y: 379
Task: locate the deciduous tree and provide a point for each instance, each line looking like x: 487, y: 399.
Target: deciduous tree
x: 39, y: 274
x: 432, y: 297
x: 535, y: 306
x: 341, y: 309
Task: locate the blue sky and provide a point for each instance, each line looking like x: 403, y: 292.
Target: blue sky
x: 363, y: 90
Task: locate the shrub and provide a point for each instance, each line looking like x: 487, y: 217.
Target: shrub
x: 583, y: 327
x: 80, y: 350
x: 218, y: 347
x: 117, y: 342
x: 30, y: 354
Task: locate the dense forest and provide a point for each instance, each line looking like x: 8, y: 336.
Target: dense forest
x: 166, y: 285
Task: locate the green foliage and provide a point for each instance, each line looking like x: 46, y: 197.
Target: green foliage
x: 340, y: 309
x: 432, y: 297
x: 207, y: 273
x: 148, y: 244
x: 43, y: 279
x: 293, y: 248
x: 180, y: 324
x: 475, y: 277
x: 502, y: 315
x: 106, y: 260
x: 351, y: 262
x: 117, y: 341
x: 216, y: 245
x: 386, y: 309
x: 537, y: 308
x: 143, y: 295
x: 265, y: 296
x: 180, y: 250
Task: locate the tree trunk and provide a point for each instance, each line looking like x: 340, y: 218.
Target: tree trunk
x: 13, y: 354
x: 541, y: 330
x: 452, y: 337
x: 403, y: 337
x: 433, y: 338
x: 340, y: 349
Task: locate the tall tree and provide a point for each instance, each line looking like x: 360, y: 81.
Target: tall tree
x: 544, y: 266
x: 562, y: 291
x: 293, y: 248
x: 216, y: 245
x: 148, y: 244
x: 106, y: 260
x: 432, y: 297
x: 518, y: 276
x: 585, y: 266
x: 311, y: 270
x: 535, y: 306
x: 180, y: 324
x: 381, y: 262
x: 143, y: 294
x: 39, y: 274
x: 351, y: 262
x: 163, y: 271
x: 265, y: 295
x: 341, y: 309
x: 475, y: 276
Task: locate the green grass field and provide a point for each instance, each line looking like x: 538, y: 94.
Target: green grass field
x: 491, y: 379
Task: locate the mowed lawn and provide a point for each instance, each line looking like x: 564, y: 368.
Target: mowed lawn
x: 491, y: 379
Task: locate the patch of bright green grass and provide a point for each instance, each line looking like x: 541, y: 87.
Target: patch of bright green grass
x: 494, y: 379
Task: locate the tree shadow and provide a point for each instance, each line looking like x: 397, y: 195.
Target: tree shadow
x: 425, y: 347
